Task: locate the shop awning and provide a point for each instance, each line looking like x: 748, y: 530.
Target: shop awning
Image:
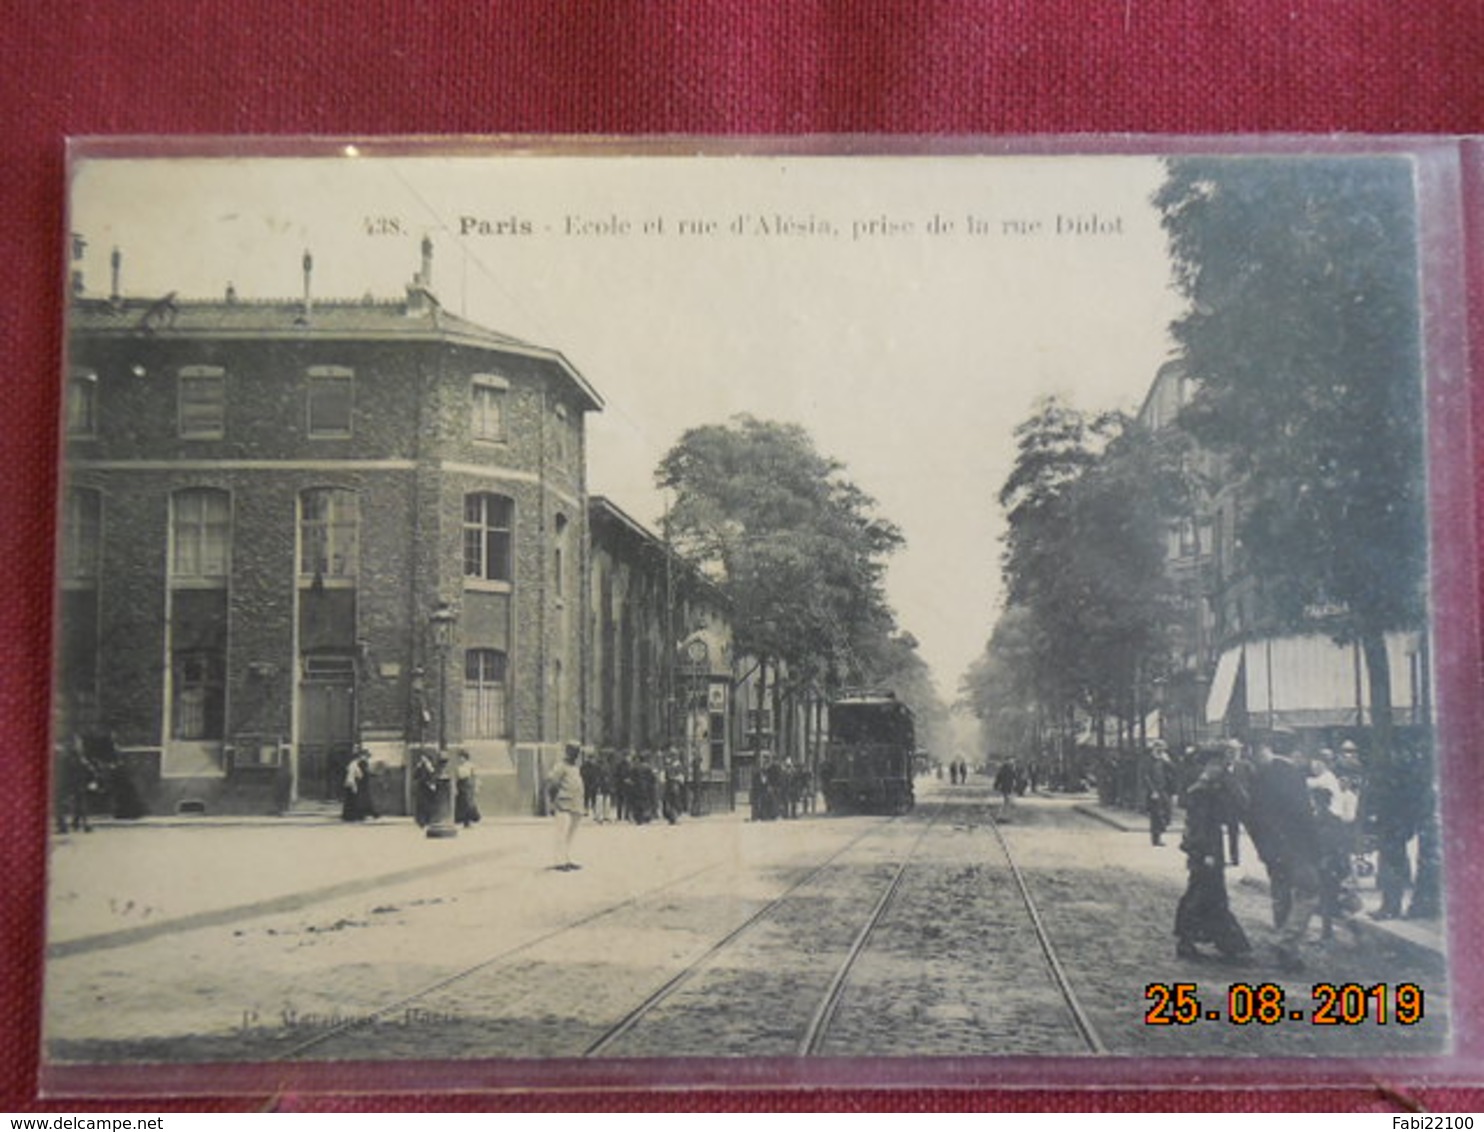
x: 1222, y: 684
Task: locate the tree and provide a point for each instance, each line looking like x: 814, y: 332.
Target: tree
x: 1303, y: 339
x: 794, y: 545
x: 1090, y: 608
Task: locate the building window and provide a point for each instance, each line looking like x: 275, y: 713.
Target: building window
x: 82, y: 526
x: 558, y: 558
x: 487, y: 536
x: 199, y: 696
x: 760, y: 722
x: 559, y: 434
x: 331, y: 393
x: 327, y: 533
x: 201, y: 402
x: 487, y: 407
x: 82, y: 403
x: 484, y: 694
x: 200, y: 534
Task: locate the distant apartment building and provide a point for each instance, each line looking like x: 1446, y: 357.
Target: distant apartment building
x: 1238, y: 671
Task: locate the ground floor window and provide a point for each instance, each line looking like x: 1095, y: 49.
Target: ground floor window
x: 484, y: 694
x: 200, y: 695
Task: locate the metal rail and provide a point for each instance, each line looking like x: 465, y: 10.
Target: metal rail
x: 362, y: 1020
x: 690, y: 970
x: 1080, y: 1019
x: 824, y: 1015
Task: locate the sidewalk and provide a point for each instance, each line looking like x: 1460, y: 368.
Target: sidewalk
x: 1426, y: 935
x: 128, y: 881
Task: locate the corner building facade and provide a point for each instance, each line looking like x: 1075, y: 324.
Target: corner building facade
x: 292, y: 528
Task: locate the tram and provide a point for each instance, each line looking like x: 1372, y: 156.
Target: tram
x: 868, y: 764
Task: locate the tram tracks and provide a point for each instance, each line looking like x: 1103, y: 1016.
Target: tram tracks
x: 413, y: 1004
x: 952, y: 968
x: 817, y: 1025
x: 1058, y: 972
x: 779, y: 981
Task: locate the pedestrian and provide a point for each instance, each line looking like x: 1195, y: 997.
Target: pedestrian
x: 765, y: 790
x: 788, y: 785
x: 1004, y: 784
x: 1280, y: 818
x: 424, y: 786
x: 603, y: 798
x: 646, y: 790
x: 1240, y: 768
x: 352, y: 808
x: 1334, y: 818
x: 1158, y: 789
x: 564, y: 800
x: 672, y: 796
x: 695, y: 786
x: 623, y: 785
x: 465, y: 792
x: 77, y: 781
x: 1203, y: 915
x: 589, y: 787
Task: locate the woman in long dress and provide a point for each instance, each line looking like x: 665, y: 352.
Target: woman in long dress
x: 465, y: 792
x: 1204, y: 916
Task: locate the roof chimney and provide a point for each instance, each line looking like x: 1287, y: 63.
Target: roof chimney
x: 116, y: 264
x: 308, y: 277
x: 419, y: 292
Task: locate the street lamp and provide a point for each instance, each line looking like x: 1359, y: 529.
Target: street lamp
x: 441, y: 622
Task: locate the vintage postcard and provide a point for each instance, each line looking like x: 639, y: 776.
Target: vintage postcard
x: 548, y: 606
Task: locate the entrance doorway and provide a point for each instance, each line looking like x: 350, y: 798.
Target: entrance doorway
x: 327, y: 726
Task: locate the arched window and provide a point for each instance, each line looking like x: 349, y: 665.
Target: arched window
x: 488, y: 522
x: 484, y: 694
x: 328, y: 533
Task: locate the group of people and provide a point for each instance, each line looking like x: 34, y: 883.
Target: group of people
x: 958, y: 772
x: 781, y: 790
x: 427, y: 771
x: 639, y: 786
x: 92, y: 776
x: 1309, y: 817
x: 357, y: 788
x: 1012, y: 779
x: 618, y: 786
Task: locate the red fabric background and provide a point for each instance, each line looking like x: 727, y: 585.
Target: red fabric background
x: 629, y: 66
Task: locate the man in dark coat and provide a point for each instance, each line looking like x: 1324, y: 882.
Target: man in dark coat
x: 1204, y: 915
x: 1281, y: 822
x: 1004, y: 784
x: 1158, y: 790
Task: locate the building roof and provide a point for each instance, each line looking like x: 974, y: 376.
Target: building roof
x: 602, y: 510
x: 419, y: 318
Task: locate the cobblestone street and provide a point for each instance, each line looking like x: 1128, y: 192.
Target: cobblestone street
x: 715, y: 937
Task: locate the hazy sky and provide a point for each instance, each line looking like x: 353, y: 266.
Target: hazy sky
x: 907, y: 311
